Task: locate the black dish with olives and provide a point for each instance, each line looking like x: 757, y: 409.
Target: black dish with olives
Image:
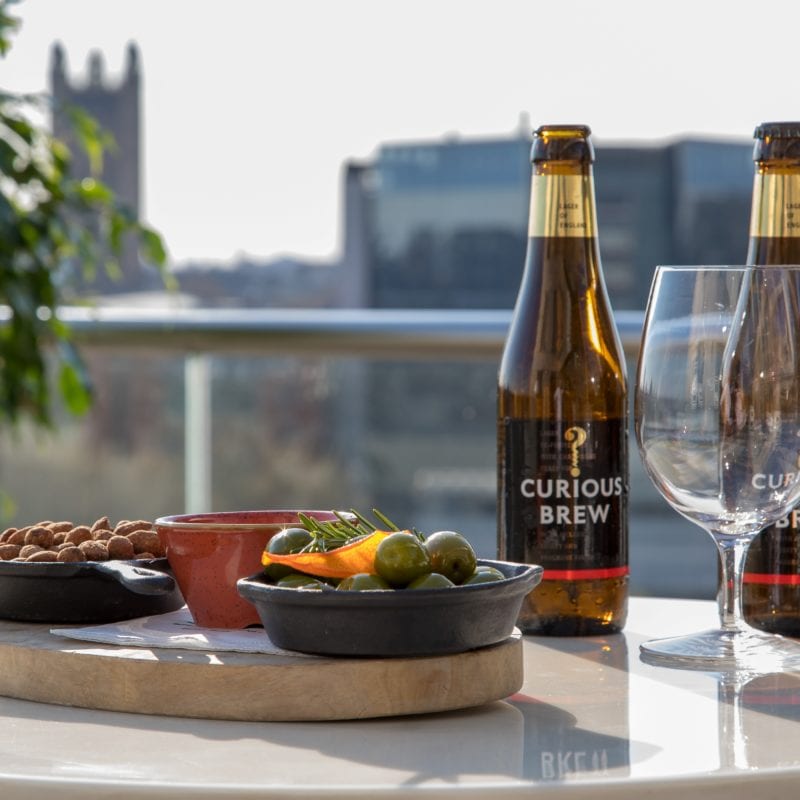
x: 380, y: 623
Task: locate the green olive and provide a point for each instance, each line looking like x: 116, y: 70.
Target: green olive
x: 297, y: 580
x: 289, y: 540
x: 400, y: 558
x: 361, y: 582
x: 484, y: 574
x: 433, y: 580
x: 284, y: 543
x: 451, y: 555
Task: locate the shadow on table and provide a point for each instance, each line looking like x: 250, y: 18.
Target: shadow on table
x: 520, y: 739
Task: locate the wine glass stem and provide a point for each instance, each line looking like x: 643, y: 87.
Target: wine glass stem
x: 732, y: 555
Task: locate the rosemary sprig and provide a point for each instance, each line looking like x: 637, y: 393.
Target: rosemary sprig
x: 332, y: 534
x: 389, y: 525
x: 385, y: 520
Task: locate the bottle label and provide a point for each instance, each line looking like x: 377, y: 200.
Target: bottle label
x: 562, y: 205
x: 565, y: 495
x: 773, y: 558
x: 776, y: 206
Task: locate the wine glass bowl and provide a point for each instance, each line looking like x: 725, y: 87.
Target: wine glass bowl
x: 717, y: 421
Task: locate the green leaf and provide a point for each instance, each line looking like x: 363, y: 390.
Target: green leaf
x: 73, y: 380
x: 76, y: 395
x: 152, y: 247
x: 94, y: 192
x: 8, y: 25
x: 20, y: 127
x: 92, y: 138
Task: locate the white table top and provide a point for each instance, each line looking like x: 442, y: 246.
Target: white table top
x: 592, y: 721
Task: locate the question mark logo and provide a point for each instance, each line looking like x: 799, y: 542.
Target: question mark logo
x: 576, y: 437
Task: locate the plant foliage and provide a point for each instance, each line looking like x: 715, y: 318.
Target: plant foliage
x: 50, y: 224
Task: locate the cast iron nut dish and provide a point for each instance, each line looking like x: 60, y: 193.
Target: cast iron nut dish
x: 375, y: 593
x: 58, y: 572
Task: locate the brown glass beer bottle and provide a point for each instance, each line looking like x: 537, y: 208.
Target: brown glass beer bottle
x: 771, y: 590
x: 562, y: 408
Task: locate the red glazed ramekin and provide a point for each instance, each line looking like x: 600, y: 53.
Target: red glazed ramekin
x: 208, y: 553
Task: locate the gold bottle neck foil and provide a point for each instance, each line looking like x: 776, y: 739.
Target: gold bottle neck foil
x: 776, y: 205
x: 562, y: 206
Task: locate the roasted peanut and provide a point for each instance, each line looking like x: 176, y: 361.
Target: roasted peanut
x: 94, y: 550
x: 61, y: 527
x: 40, y: 536
x: 6, y: 534
x: 102, y: 524
x: 120, y: 547
x: 126, y: 527
x: 9, y: 551
x: 70, y: 553
x: 29, y: 549
x: 43, y: 555
x: 78, y: 534
x: 18, y: 537
x: 146, y: 542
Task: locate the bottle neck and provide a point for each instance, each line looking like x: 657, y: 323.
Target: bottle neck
x: 562, y: 201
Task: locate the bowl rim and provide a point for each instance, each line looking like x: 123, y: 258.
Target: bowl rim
x: 526, y: 573
x: 82, y: 569
x: 218, y: 520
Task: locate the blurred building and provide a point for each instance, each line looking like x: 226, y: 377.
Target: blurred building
x: 443, y: 224
x: 116, y: 106
x: 259, y: 283
x: 682, y: 202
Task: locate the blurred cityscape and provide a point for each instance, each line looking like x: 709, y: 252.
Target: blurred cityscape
x: 443, y: 224
x: 425, y: 225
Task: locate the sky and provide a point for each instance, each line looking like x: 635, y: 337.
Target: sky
x: 252, y: 107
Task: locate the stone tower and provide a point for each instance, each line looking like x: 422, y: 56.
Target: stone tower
x: 117, y: 110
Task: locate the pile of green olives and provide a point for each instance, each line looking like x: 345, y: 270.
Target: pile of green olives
x: 403, y: 560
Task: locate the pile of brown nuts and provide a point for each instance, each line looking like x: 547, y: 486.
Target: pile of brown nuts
x: 65, y: 542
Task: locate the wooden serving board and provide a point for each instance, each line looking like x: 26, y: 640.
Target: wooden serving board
x: 36, y: 665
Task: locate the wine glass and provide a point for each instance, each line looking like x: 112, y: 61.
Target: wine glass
x: 717, y: 418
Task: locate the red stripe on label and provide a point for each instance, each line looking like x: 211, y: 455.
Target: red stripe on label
x: 584, y: 574
x: 772, y: 579
x: 780, y: 698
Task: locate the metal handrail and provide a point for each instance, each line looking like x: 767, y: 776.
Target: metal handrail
x: 201, y: 333
x: 385, y: 333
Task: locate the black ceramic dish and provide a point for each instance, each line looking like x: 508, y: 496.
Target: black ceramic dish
x: 86, y: 591
x: 418, y: 622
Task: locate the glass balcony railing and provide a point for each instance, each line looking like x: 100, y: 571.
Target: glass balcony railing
x: 200, y: 409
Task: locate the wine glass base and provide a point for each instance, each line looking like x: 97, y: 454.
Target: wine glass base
x: 720, y: 650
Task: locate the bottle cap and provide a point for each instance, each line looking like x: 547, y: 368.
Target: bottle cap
x: 562, y: 143
x: 777, y: 130
x: 777, y: 141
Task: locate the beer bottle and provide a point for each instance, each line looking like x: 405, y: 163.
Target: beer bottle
x: 771, y: 590
x: 562, y: 408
